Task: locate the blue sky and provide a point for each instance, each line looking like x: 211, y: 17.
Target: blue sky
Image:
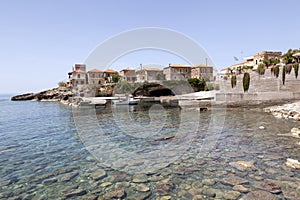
x: 41, y: 40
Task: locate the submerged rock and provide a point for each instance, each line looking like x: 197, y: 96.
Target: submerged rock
x: 259, y: 195
x: 117, y: 193
x: 140, y: 178
x: 294, y: 164
x: 98, y: 174
x: 243, y: 165
x: 234, y: 180
x: 73, y: 193
x: 231, y: 195
x: 142, y: 188
x: 269, y: 186
x: 240, y: 188
x: 164, y: 188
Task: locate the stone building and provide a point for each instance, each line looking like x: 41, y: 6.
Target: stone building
x: 177, y: 72
x: 259, y: 57
x: 203, y: 71
x: 149, y: 75
x: 107, y: 75
x: 129, y: 75
x: 95, y: 77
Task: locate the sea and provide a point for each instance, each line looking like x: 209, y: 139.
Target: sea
x: 50, y: 150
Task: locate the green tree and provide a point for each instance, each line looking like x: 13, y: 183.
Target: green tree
x: 198, y: 84
x: 233, y: 81
x: 267, y: 62
x: 283, y: 75
x: 296, y: 69
x: 274, y: 61
x: 115, y: 78
x: 288, y: 56
x: 276, y: 71
x: 246, y: 81
x: 261, y: 69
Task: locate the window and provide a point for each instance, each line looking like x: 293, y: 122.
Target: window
x: 82, y: 82
x: 78, y: 75
x: 93, y: 75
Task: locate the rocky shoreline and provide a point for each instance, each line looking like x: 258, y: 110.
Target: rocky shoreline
x: 286, y: 111
x: 61, y: 94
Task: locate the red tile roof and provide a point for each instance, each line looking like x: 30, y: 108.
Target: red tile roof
x: 110, y: 71
x: 79, y: 71
x: 127, y: 69
x: 179, y: 65
x: 151, y: 69
x: 95, y: 70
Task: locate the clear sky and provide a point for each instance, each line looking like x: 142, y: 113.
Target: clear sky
x: 41, y: 40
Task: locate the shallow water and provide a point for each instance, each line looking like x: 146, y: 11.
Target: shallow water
x: 49, y: 151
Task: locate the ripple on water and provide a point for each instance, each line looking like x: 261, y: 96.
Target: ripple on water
x: 42, y: 156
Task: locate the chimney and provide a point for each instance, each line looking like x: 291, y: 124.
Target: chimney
x: 141, y: 66
x: 169, y: 64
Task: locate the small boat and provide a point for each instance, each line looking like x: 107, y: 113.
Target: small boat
x: 127, y: 101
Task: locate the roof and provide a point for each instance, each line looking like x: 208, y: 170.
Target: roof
x: 95, y: 71
x: 127, y: 69
x: 202, y: 65
x: 152, y: 69
x: 110, y: 71
x: 242, y: 63
x: 179, y: 65
x: 78, y: 71
x: 225, y: 69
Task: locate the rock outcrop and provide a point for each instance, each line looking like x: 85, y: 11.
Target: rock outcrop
x: 153, y: 90
x: 55, y: 94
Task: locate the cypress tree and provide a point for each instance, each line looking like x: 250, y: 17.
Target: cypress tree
x: 276, y: 71
x: 246, y: 81
x: 233, y: 81
x: 296, y: 69
x: 283, y: 74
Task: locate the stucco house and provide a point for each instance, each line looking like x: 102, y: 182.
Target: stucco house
x: 78, y: 76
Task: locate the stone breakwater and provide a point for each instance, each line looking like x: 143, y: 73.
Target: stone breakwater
x: 286, y: 111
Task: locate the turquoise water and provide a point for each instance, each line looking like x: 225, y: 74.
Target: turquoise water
x: 43, y: 156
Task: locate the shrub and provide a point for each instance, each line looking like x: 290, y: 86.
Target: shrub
x: 261, y: 69
x: 276, y: 71
x: 62, y: 84
x: 296, y: 69
x: 115, y: 78
x: 283, y: 74
x: 247, y: 67
x: 246, y: 81
x: 233, y: 81
x: 199, y: 84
